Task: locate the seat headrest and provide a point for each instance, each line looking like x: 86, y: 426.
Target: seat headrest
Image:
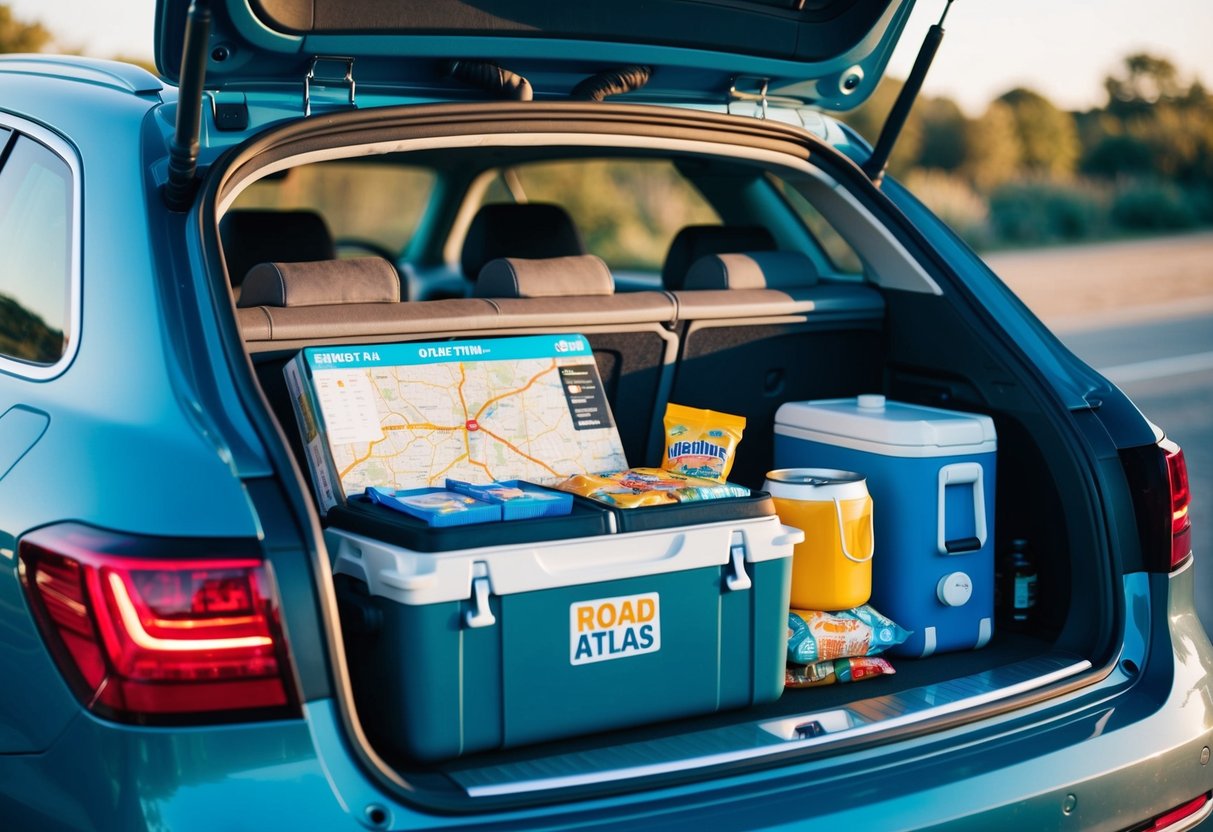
x: 357, y: 280
x: 752, y: 270
x: 695, y: 241
x: 551, y: 277
x: 531, y: 230
x: 255, y: 236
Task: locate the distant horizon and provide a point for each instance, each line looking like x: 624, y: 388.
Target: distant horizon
x: 1062, y: 49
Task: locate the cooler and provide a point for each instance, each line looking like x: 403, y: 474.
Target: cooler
x: 488, y: 647
x: 931, y: 476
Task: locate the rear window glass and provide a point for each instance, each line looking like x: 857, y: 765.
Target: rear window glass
x: 837, y: 250
x: 627, y: 210
x: 380, y: 204
x: 35, y: 253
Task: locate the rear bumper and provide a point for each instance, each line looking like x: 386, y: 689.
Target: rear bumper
x: 1106, y: 757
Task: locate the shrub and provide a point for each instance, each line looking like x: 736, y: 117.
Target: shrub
x: 1151, y: 205
x: 954, y: 201
x: 1032, y: 212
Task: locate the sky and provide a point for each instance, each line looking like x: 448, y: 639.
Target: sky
x: 1061, y: 48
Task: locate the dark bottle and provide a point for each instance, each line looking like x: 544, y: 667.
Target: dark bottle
x: 1017, y: 585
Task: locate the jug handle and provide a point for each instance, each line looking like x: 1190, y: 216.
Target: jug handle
x: 842, y: 536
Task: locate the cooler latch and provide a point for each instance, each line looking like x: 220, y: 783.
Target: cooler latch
x: 735, y: 575
x: 480, y: 615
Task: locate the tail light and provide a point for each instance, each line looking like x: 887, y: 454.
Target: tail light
x: 154, y: 630
x: 1158, y: 477
x: 1181, y: 498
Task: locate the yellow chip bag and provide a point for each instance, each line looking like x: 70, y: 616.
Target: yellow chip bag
x: 635, y: 487
x: 610, y: 488
x: 700, y: 443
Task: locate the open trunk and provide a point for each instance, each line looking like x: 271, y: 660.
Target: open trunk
x: 903, y: 326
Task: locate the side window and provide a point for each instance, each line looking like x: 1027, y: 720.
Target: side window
x: 35, y: 251
x: 833, y: 246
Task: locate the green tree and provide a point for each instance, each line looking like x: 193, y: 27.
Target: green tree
x: 944, y: 134
x: 1048, y: 137
x: 1153, y: 126
x: 994, y: 150
x: 1148, y: 80
x: 19, y: 36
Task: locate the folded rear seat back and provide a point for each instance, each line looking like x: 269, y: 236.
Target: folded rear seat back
x: 629, y: 333
x: 759, y: 329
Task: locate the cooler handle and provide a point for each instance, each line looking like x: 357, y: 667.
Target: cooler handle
x: 842, y: 536
x: 960, y: 473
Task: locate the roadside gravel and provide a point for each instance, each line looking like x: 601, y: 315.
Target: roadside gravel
x: 1075, y: 287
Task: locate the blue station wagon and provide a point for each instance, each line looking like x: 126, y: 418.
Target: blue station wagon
x: 348, y: 248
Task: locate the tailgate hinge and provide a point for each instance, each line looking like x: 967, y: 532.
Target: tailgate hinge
x: 326, y: 73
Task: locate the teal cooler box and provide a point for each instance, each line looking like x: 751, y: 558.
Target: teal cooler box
x: 497, y: 646
x: 931, y: 476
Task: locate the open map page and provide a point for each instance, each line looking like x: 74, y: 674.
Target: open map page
x: 411, y: 415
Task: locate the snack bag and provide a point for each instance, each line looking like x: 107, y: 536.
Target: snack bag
x: 633, y: 487
x: 609, y: 489
x: 700, y: 443
x: 833, y: 671
x: 815, y: 636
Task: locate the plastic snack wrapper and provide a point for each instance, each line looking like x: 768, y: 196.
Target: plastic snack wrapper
x: 634, y: 487
x: 831, y: 671
x: 701, y: 443
x: 815, y: 636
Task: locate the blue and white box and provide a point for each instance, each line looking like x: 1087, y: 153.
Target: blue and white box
x: 931, y: 475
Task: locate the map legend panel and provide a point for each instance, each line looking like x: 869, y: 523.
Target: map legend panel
x: 586, y: 398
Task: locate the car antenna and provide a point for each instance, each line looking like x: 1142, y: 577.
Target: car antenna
x: 875, y: 165
x: 183, y: 150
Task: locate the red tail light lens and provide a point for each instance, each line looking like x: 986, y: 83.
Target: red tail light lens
x: 1181, y: 498
x: 143, y: 637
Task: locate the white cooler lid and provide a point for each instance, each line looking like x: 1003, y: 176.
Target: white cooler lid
x: 873, y: 423
x: 409, y: 577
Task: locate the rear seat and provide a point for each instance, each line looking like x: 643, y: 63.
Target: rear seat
x: 252, y: 236
x: 629, y: 333
x: 526, y: 229
x: 697, y: 241
x: 301, y: 305
x: 758, y: 329
x: 735, y: 341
